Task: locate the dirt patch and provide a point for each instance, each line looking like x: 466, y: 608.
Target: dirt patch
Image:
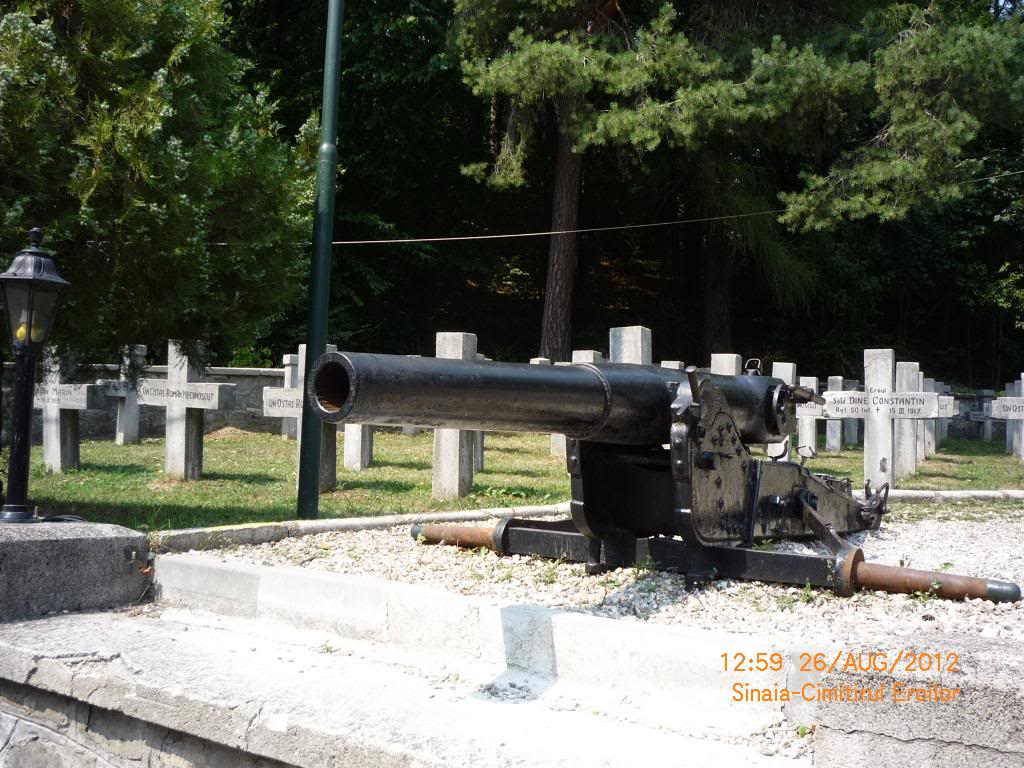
x: 227, y: 433
x: 166, y: 484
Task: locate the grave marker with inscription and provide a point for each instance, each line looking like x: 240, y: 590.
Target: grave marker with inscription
x: 879, y: 408
x: 186, y: 401
x: 61, y: 403
x: 124, y: 393
x: 292, y: 377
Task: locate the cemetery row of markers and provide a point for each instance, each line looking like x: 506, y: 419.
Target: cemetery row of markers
x: 905, y: 415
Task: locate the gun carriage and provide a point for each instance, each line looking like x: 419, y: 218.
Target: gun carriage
x: 660, y: 464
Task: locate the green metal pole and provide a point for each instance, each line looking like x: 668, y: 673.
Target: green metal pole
x: 320, y: 263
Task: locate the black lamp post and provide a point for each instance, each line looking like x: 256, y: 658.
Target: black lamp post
x: 32, y: 293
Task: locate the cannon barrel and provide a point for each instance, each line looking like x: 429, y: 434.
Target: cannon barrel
x: 612, y: 403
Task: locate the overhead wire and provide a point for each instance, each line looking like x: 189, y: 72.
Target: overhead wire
x: 579, y: 230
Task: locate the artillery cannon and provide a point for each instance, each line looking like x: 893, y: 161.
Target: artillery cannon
x: 660, y: 466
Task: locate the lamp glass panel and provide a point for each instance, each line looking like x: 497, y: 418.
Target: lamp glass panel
x: 16, y: 306
x: 44, y: 308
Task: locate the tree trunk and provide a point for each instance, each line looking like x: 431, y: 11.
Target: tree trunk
x: 717, y: 299
x: 556, y: 330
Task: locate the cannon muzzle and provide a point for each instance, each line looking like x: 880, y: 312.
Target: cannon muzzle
x: 609, y: 403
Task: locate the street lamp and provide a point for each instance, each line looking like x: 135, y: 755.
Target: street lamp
x: 32, y: 292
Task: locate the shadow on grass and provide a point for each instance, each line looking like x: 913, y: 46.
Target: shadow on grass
x: 254, y: 478
x: 960, y: 448
x: 511, y: 472
x: 113, y: 469
x: 408, y: 464
x: 164, y: 516
x: 383, y: 486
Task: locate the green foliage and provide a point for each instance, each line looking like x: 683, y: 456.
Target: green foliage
x: 174, y: 207
x: 252, y: 357
x: 937, y: 84
x: 138, y: 134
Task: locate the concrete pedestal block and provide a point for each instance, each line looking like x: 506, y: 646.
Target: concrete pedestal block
x: 46, y: 567
x: 452, y: 475
x: 358, y: 446
x: 879, y: 379
x: 905, y: 430
x: 807, y: 426
x: 834, y: 427
x: 60, y: 440
x: 851, y: 427
x: 630, y: 344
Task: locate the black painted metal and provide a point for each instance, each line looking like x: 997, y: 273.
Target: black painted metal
x: 16, y: 506
x: 659, y: 462
x: 620, y: 404
x: 32, y: 291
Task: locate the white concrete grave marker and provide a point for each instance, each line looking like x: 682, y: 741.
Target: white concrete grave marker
x: 123, y: 391
x: 286, y: 403
x: 630, y: 344
x: 292, y: 377
x: 905, y: 431
x: 929, y: 424
x: 1011, y: 426
x: 358, y: 454
x: 726, y: 364
x: 851, y: 427
x: 834, y: 427
x: 61, y: 403
x: 453, y: 448
x: 186, y: 401
x: 879, y: 379
x: 558, y: 446
x: 675, y: 365
x: 921, y: 453
x: 1018, y: 426
x: 983, y: 415
x: 879, y: 405
x: 1011, y: 408
x: 942, y: 425
x: 807, y: 419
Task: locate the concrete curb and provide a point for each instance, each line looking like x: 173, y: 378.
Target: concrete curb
x: 187, y: 539
x: 116, y: 690
x: 900, y: 494
x: 567, y: 646
x: 667, y: 667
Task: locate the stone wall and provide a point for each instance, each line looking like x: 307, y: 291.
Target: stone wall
x: 246, y: 412
x: 39, y: 729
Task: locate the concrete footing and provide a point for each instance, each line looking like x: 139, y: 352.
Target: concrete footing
x: 52, y: 567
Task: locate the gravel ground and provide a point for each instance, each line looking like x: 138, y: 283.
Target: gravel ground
x: 976, y: 539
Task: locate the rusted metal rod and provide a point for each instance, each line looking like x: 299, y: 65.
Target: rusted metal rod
x: 467, y: 536
x: 950, y: 586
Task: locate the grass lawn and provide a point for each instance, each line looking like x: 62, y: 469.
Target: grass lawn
x: 958, y: 465
x: 250, y: 477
